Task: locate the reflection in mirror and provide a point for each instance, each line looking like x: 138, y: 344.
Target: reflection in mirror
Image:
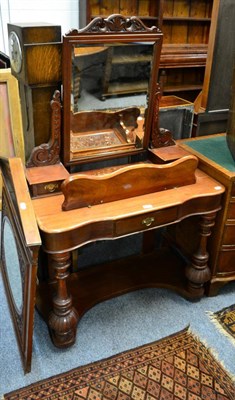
x: 110, y: 72
x: 12, y: 265
x: 109, y: 96
x: 110, y: 81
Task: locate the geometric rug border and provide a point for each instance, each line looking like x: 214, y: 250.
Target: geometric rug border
x: 127, y: 362
x: 217, y: 318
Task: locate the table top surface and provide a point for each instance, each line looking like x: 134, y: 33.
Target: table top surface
x: 52, y: 219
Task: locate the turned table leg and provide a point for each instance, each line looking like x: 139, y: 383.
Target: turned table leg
x: 198, y: 272
x: 63, y: 318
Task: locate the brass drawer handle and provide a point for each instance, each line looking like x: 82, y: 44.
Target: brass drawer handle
x: 148, y: 221
x: 51, y: 187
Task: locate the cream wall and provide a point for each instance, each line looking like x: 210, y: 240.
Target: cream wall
x: 59, y: 12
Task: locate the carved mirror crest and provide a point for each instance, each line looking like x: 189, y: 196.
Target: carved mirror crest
x: 110, y: 72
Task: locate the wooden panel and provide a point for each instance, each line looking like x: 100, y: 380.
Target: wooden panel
x: 131, y: 181
x: 231, y: 211
x: 128, y: 7
x: 144, y: 8
x: 226, y: 263
x: 209, y: 7
x: 179, y: 32
x: 168, y: 7
x: 229, y: 234
x: 181, y: 8
x: 198, y: 8
x: 94, y: 7
x: 43, y: 56
x: 167, y: 32
x: 108, y: 7
x: 233, y: 190
x: 197, y: 33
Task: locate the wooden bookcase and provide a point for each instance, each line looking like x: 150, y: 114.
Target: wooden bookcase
x: 185, y: 25
x: 149, y: 11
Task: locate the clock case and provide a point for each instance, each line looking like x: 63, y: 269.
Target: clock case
x: 41, y: 48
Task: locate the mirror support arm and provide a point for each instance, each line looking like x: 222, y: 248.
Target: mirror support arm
x: 160, y: 137
x: 49, y: 153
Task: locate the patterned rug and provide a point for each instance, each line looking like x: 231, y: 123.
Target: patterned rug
x: 178, y: 367
x: 225, y: 321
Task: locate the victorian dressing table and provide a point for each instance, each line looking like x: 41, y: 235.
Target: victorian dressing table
x: 105, y: 182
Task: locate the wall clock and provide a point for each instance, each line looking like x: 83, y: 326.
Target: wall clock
x: 15, y: 52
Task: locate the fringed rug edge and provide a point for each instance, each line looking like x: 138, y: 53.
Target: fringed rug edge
x: 211, y: 350
x: 215, y: 320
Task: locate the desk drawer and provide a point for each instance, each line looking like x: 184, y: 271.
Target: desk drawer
x: 231, y: 210
x: 226, y: 262
x: 229, y: 234
x: 233, y: 190
x: 145, y: 221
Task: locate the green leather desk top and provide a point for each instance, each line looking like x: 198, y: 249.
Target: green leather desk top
x: 215, y: 148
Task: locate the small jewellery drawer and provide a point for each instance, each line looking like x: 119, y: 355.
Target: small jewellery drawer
x: 47, y: 188
x: 145, y: 221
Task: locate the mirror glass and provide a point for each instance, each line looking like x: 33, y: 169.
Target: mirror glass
x: 110, y: 90
x: 11, y: 264
x: 109, y: 87
x: 110, y: 76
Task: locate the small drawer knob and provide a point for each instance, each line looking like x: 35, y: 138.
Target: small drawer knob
x: 148, y: 221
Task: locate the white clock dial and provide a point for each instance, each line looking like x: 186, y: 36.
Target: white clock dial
x: 15, y: 52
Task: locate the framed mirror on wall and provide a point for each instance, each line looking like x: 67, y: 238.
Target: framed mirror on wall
x: 110, y: 72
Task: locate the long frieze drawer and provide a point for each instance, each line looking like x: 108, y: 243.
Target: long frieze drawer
x: 145, y: 221
x: 226, y: 261
x: 229, y: 234
x: 231, y: 209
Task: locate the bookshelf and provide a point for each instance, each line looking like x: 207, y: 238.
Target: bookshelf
x: 185, y: 25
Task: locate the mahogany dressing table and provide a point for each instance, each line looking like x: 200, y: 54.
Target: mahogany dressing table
x: 110, y: 185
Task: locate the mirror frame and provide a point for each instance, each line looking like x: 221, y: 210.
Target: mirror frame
x: 112, y: 29
x: 18, y: 210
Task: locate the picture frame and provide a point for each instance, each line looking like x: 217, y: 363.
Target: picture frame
x: 11, y: 127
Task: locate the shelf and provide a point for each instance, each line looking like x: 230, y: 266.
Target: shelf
x: 116, y: 88
x: 142, y: 17
x: 131, y: 59
x: 186, y: 19
x: 136, y: 272
x: 185, y: 26
x: 184, y: 55
x: 181, y: 88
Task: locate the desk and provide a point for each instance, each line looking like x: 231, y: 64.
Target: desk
x: 37, y: 222
x: 216, y: 160
x: 66, y: 296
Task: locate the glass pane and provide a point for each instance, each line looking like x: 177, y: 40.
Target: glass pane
x: 12, y: 265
